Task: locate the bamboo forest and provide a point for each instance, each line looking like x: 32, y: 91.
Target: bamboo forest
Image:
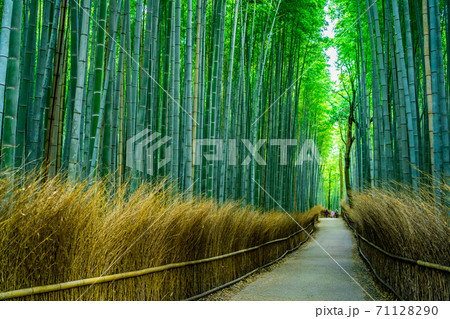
x: 166, y: 149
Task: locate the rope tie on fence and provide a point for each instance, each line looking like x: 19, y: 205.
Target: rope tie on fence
x: 98, y: 280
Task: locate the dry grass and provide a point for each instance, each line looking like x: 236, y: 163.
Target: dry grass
x: 53, y: 232
x: 406, y: 224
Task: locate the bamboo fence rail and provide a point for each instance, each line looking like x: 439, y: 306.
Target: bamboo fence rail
x: 249, y: 273
x: 425, y: 264
x: 405, y: 259
x: 103, y: 279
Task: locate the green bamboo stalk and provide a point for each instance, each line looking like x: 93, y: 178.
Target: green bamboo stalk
x: 155, y: 73
x: 134, y: 84
x: 175, y: 111
x: 52, y: 137
x: 12, y: 84
x: 222, y: 178
x: 443, y: 105
x: 143, y: 91
x: 37, y: 112
x: 98, y: 79
x: 27, y: 83
x: 130, y: 106
x: 409, y: 100
x: 412, y: 89
x: 188, y: 103
x: 117, y: 160
x: 88, y: 98
x: 376, y: 103
x: 74, y: 40
x: 81, y: 81
x: 106, y: 88
x: 364, y: 110
x: 387, y: 166
x: 430, y: 39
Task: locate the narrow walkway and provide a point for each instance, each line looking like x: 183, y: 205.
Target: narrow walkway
x: 309, y: 273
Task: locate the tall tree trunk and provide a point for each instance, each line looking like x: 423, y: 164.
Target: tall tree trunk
x: 348, y: 147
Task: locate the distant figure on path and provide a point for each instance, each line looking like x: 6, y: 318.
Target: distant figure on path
x: 326, y: 213
x: 337, y: 214
x: 332, y: 214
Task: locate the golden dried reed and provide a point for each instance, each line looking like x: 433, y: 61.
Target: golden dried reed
x: 52, y: 231
x: 407, y: 224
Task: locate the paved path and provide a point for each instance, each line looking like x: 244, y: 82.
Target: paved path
x: 309, y: 273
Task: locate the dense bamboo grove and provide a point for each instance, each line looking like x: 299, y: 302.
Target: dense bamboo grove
x: 191, y: 118
x: 395, y: 88
x: 81, y: 78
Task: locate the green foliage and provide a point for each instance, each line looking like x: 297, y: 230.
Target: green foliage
x: 392, y: 69
x: 269, y: 82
